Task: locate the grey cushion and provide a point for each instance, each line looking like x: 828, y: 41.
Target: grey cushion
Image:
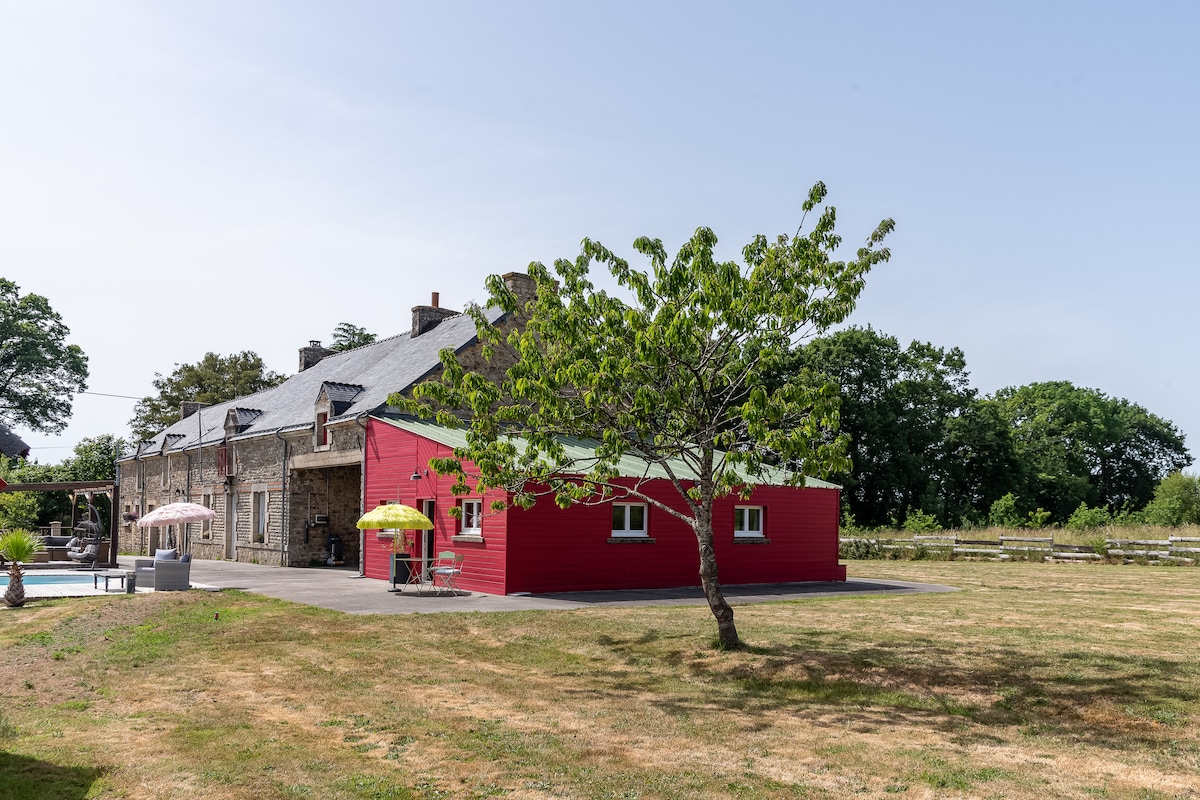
x: 185, y: 558
x: 166, y: 555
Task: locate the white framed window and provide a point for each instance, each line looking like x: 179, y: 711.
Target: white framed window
x: 472, y: 516
x: 747, y: 521
x: 388, y: 533
x: 258, y: 509
x: 628, y: 519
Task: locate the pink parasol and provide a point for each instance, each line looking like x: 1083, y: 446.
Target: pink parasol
x: 176, y: 514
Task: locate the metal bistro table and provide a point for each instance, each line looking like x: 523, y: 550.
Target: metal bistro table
x: 403, y: 572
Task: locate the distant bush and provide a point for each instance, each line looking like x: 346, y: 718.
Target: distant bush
x: 1004, y: 513
x: 860, y: 549
x: 1084, y: 518
x: 1038, y: 518
x: 1176, y: 502
x: 917, y: 521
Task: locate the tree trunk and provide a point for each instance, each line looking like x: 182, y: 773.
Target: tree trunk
x: 14, y: 595
x: 726, y: 631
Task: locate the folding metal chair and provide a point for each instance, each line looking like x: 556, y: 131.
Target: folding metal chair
x: 448, y: 567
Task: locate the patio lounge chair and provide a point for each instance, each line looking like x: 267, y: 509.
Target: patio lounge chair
x: 164, y: 574
x: 87, y: 555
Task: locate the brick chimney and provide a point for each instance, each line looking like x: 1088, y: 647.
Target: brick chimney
x: 310, y: 356
x: 523, y: 286
x: 426, y: 318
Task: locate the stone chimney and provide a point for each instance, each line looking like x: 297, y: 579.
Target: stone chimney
x: 310, y: 356
x: 426, y: 318
x: 523, y: 286
x: 189, y: 407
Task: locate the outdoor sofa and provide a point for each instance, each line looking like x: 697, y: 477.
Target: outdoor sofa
x: 166, y: 572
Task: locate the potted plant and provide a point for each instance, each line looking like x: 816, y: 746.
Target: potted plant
x: 402, y: 543
x: 18, y: 546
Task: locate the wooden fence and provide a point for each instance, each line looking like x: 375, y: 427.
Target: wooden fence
x: 1174, y: 549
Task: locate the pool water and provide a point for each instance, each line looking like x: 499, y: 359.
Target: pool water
x: 52, y: 580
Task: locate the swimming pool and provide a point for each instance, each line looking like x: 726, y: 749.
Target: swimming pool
x: 52, y: 580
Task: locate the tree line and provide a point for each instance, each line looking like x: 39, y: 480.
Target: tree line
x: 93, y: 459
x: 923, y: 441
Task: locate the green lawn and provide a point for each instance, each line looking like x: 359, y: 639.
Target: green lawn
x: 1034, y: 681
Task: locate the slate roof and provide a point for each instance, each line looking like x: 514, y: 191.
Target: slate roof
x: 581, y: 450
x: 242, y: 417
x: 12, y: 445
x: 341, y: 395
x: 376, y: 370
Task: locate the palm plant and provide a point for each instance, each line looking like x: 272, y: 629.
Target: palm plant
x: 17, y: 546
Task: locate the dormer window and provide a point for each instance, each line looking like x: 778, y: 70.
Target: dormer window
x: 333, y: 400
x: 237, y: 420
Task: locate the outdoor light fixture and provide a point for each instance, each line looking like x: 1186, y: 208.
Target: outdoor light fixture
x: 416, y: 476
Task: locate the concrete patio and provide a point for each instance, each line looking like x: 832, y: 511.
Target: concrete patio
x: 341, y: 589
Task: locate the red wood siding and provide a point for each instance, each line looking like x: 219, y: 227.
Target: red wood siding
x: 546, y: 549
x: 391, y: 457
x: 553, y: 550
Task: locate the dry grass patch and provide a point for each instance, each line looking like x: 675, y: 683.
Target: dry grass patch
x: 1034, y: 681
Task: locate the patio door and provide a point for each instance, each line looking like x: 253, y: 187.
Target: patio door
x: 427, y: 537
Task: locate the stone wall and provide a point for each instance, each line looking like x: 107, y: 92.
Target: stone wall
x: 332, y: 493
x: 326, y: 481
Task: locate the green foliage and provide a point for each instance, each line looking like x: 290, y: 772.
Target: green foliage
x: 849, y: 526
x: 214, y: 379
x: 18, y: 510
x: 1004, y: 513
x: 1084, y: 518
x: 1079, y: 445
x: 19, y: 544
x: 1038, y: 518
x: 917, y: 521
x: 94, y: 459
x: 682, y: 374
x: 1099, y: 543
x: 1176, y: 501
x: 918, y: 436
x: 860, y: 549
x: 347, y: 337
x: 39, y: 372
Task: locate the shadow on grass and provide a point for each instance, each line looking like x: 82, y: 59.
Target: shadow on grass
x: 25, y: 778
x: 1106, y: 699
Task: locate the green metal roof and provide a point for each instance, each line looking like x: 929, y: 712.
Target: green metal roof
x: 580, y: 450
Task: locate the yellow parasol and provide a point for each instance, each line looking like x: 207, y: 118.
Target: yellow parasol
x: 394, y: 515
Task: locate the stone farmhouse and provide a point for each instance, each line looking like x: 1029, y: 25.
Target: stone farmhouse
x: 283, y: 468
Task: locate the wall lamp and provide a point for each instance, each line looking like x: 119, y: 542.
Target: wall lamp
x: 416, y: 476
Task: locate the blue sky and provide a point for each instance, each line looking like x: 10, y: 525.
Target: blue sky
x: 221, y: 176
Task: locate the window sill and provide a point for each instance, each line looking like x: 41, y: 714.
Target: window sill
x: 467, y: 537
x: 751, y: 540
x: 321, y: 448
x: 630, y: 540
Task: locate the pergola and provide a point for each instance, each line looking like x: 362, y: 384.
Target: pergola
x: 110, y: 488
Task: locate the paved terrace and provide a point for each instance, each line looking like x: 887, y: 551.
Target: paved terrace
x: 342, y: 589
